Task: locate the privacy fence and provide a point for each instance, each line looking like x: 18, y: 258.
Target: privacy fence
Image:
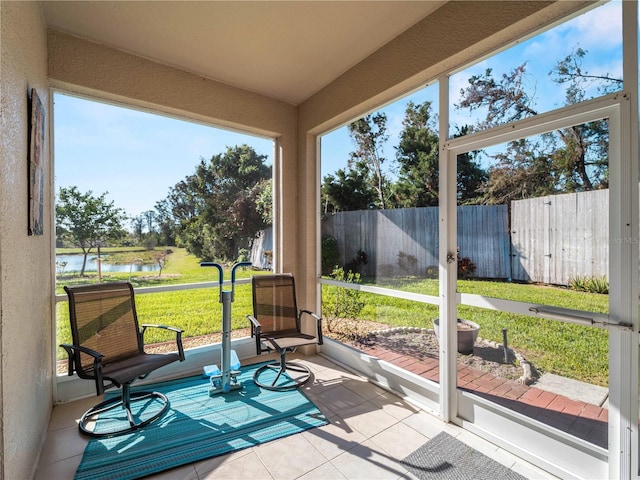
x: 547, y: 239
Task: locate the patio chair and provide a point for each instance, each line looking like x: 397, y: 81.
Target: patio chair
x: 108, y: 347
x: 275, y: 324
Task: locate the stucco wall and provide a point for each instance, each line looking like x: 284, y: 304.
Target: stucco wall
x: 89, y: 68
x: 25, y: 261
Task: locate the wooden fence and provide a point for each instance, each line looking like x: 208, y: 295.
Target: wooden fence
x: 560, y: 236
x: 404, y: 241
x: 544, y: 240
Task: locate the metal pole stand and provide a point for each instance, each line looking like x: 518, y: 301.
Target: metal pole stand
x: 224, y: 379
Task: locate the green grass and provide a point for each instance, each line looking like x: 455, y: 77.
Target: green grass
x: 565, y: 349
x: 561, y: 348
x: 197, y: 311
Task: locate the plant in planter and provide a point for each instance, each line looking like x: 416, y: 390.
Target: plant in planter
x: 467, y: 334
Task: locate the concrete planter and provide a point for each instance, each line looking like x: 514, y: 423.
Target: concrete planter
x: 467, y: 334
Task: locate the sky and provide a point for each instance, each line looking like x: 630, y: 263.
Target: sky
x: 137, y: 157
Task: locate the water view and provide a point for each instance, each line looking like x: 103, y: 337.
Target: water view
x: 74, y: 264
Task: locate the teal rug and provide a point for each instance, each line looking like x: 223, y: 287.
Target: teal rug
x: 197, y: 427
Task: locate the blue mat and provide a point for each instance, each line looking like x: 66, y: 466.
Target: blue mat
x: 197, y: 427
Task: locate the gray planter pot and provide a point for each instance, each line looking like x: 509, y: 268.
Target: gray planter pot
x: 467, y: 334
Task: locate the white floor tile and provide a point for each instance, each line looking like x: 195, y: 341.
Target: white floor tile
x: 290, y: 457
x: 248, y: 466
x: 368, y: 419
x: 399, y: 440
x: 325, y: 471
x: 335, y: 438
x: 368, y: 462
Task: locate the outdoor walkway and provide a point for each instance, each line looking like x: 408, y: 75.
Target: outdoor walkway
x: 578, y: 418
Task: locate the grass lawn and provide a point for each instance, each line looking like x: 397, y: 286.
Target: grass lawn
x: 565, y: 349
x: 197, y: 312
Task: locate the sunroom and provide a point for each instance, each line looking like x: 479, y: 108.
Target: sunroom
x: 296, y: 73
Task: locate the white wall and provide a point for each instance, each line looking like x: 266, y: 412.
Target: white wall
x: 25, y: 261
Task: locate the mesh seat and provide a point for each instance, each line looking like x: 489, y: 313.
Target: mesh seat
x: 108, y: 347
x: 276, y: 325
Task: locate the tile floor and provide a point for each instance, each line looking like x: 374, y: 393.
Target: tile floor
x: 370, y: 430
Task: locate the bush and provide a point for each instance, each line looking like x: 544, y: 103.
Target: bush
x: 243, y: 255
x: 330, y: 255
x: 407, y: 263
x: 466, y: 267
x: 433, y: 271
x: 356, y: 262
x: 593, y: 284
x: 339, y: 302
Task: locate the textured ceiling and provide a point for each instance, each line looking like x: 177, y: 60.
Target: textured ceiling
x: 284, y: 49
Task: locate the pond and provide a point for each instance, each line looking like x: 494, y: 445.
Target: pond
x: 74, y: 264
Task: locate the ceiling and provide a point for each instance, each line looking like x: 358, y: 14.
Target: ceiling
x: 284, y: 49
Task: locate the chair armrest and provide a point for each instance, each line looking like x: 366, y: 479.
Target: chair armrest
x: 97, y: 363
x: 256, y: 331
x: 165, y: 327
x: 177, y: 331
x: 318, y: 320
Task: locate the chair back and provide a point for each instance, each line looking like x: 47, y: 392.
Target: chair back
x: 274, y: 303
x: 103, y: 318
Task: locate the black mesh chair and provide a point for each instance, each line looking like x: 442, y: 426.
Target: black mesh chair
x: 275, y: 324
x: 108, y: 348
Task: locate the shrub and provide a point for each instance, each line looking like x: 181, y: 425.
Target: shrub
x: 243, y: 255
x: 433, y: 271
x: 330, y: 255
x: 590, y: 284
x: 339, y: 302
x: 356, y: 262
x: 466, y: 267
x: 407, y: 263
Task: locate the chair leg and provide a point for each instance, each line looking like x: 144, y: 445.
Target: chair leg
x: 290, y: 382
x: 124, y: 401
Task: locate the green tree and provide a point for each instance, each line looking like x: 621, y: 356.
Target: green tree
x: 576, y: 158
x: 347, y: 190
x: 216, y: 210
x: 522, y: 171
x: 418, y: 156
x: 86, y: 220
x: 264, y: 201
x: 149, y: 217
x: 166, y: 223
x: 369, y: 134
x: 137, y: 224
x: 471, y: 177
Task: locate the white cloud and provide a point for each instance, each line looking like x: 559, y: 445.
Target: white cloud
x: 597, y: 30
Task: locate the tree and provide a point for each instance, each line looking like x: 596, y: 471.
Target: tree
x: 370, y: 133
x: 418, y: 156
x: 86, y: 220
x: 575, y: 158
x: 149, y: 217
x: 166, y: 223
x: 137, y: 224
x: 347, y: 190
x: 521, y: 172
x: 220, y: 208
x: 264, y: 201
x: 471, y: 177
